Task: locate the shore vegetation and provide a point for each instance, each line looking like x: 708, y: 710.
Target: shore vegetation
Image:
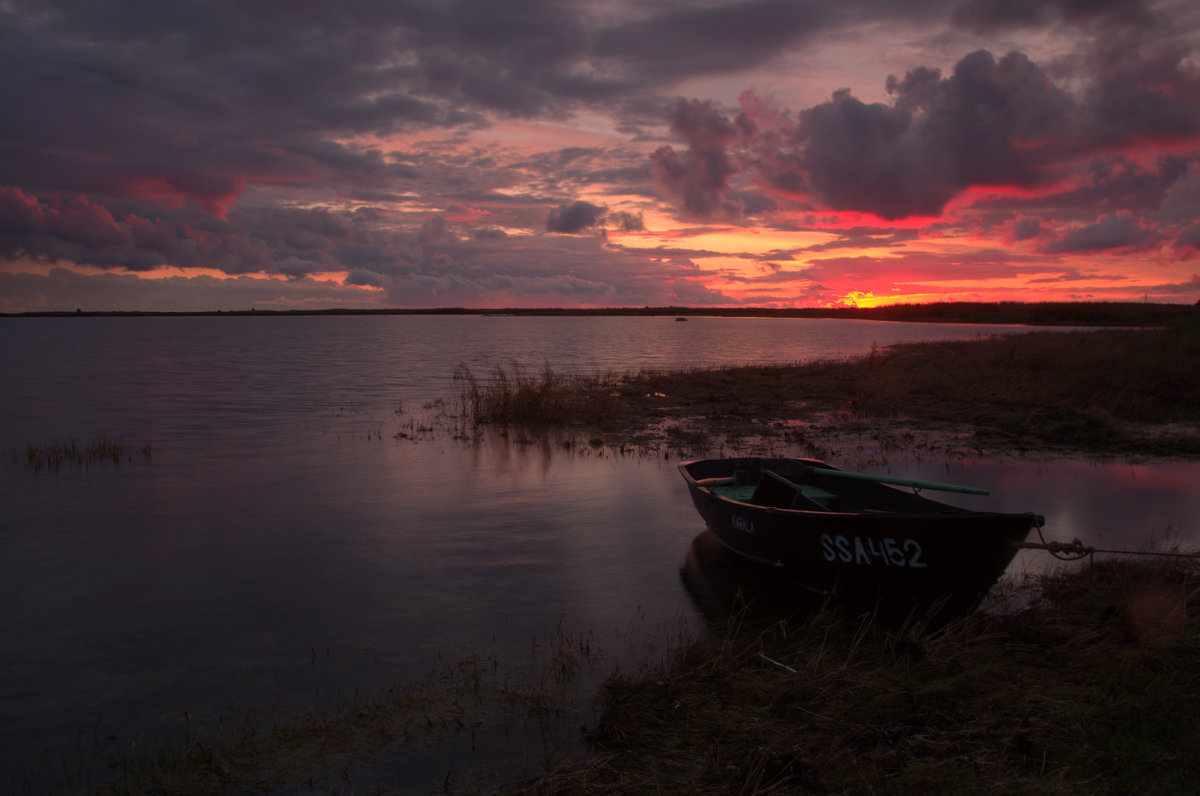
x: 52, y: 456
x: 1078, y: 682
x: 1109, y: 392
x: 1091, y: 689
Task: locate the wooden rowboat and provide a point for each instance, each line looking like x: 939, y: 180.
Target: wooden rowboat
x: 856, y: 537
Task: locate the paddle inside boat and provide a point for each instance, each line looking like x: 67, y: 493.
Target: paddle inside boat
x: 857, y: 537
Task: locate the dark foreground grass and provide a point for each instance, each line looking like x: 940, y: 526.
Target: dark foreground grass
x: 1103, y: 392
x: 519, y: 715
x: 1093, y: 689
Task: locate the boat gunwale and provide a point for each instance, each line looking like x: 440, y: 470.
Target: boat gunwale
x: 944, y: 510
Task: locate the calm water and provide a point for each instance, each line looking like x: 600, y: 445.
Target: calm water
x: 284, y: 547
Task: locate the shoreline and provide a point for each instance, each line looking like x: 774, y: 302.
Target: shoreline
x: 1097, y: 393
x: 1118, y: 314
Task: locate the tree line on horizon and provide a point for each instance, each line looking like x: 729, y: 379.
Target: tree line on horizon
x: 1068, y: 313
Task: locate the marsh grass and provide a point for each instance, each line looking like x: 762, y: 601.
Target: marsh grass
x: 54, y: 455
x: 516, y: 396
x: 1093, y: 689
x: 1104, y: 392
x: 486, y: 708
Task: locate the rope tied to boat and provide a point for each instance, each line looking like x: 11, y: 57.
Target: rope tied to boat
x: 1076, y: 549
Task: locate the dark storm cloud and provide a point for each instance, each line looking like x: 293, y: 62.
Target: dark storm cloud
x: 1144, y: 89
x: 1120, y: 230
x: 1027, y: 228
x: 698, y: 179
x: 198, y: 100
x: 696, y: 38
x: 574, y: 217
x: 993, y: 122
x: 238, y: 136
x: 986, y: 15
x: 627, y: 222
x: 989, y: 123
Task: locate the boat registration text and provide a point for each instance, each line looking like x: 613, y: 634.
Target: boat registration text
x: 870, y: 551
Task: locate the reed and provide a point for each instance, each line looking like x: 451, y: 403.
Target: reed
x: 515, y: 396
x: 52, y: 456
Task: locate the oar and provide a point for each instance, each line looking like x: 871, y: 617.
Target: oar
x: 888, y: 479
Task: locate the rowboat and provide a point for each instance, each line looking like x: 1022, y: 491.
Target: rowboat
x: 857, y: 537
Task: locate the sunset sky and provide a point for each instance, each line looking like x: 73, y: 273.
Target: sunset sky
x: 285, y: 154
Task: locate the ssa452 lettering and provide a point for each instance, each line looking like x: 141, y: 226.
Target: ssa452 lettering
x: 868, y: 551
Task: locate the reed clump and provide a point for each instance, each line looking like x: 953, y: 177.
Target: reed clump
x: 516, y: 396
x: 52, y: 456
x: 1092, y: 689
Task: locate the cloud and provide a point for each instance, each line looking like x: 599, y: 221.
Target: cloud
x: 991, y: 15
x: 627, y: 222
x: 574, y: 217
x: 698, y: 179
x: 1120, y: 230
x: 398, y: 142
x: 990, y: 123
x: 999, y: 125
x: 1026, y: 228
x: 1143, y: 91
x: 1189, y: 238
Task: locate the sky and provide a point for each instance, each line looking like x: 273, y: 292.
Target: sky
x: 297, y: 154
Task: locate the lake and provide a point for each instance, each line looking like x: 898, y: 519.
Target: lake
x: 282, y: 545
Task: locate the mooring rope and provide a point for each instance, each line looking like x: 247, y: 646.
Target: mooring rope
x: 1075, y: 550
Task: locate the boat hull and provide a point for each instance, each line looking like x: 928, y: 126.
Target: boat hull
x: 924, y: 554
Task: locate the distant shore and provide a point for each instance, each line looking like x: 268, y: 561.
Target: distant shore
x: 1100, y: 313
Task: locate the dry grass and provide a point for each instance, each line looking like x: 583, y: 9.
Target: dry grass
x: 517, y: 397
x: 1092, y: 690
x: 350, y: 748
x: 1128, y: 391
x: 55, y: 455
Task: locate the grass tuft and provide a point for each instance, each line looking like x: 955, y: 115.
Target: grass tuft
x: 54, y: 455
x: 517, y: 397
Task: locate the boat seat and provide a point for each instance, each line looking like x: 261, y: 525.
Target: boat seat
x: 775, y: 491
x: 817, y: 495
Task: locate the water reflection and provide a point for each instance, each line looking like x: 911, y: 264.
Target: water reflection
x: 726, y: 588
x: 1111, y: 505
